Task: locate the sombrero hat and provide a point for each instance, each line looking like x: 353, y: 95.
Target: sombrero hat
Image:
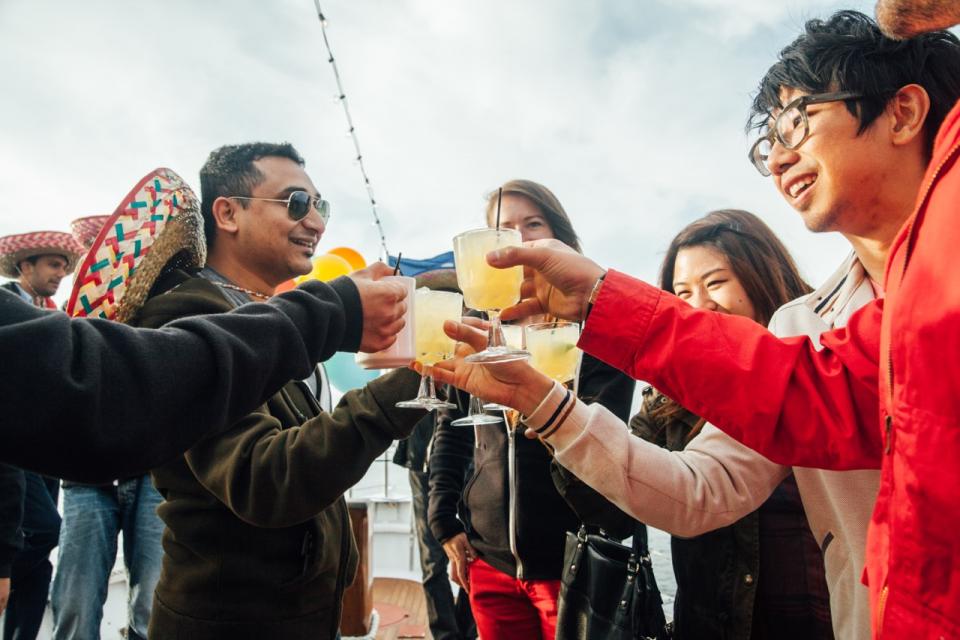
x: 16, y: 248
x: 155, y: 228
x: 86, y: 229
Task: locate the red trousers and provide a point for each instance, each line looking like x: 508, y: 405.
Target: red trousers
x: 509, y: 609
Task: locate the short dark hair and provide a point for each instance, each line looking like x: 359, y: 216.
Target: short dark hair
x: 848, y: 52
x: 229, y: 171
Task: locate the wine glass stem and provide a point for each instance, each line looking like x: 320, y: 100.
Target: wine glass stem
x: 495, y: 337
x: 428, y: 381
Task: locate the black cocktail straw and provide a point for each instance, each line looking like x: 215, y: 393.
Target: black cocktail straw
x: 396, y: 269
x: 499, y: 197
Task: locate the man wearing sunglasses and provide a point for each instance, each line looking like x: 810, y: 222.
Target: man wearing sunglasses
x: 858, y: 151
x: 258, y: 542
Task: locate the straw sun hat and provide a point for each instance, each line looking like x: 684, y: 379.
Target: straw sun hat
x: 17, y: 248
x: 155, y: 228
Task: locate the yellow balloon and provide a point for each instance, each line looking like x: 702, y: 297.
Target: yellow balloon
x: 327, y: 267
x: 350, y: 255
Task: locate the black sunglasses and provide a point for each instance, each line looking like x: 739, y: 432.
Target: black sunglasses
x: 298, y: 204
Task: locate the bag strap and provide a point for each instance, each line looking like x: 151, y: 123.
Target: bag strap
x: 640, y: 547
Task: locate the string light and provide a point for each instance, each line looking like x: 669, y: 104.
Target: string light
x: 341, y: 97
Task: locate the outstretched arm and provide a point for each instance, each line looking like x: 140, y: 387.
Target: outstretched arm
x: 92, y: 400
x: 712, y: 483
x: 781, y: 397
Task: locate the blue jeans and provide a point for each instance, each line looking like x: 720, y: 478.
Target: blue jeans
x: 92, y: 519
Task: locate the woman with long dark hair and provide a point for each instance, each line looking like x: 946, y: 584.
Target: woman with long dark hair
x: 762, y: 576
x: 504, y: 530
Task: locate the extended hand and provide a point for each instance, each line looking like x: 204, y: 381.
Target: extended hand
x: 513, y: 384
x: 558, y: 280
x: 383, y: 307
x: 461, y: 554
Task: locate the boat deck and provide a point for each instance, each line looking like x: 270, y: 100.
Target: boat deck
x: 402, y: 609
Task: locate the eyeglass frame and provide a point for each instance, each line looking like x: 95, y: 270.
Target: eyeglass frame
x: 322, y: 206
x: 800, y: 104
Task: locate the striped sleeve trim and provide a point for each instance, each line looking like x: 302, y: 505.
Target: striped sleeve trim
x: 549, y: 431
x: 539, y: 417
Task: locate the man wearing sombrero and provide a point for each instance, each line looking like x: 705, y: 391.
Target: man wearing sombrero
x: 258, y: 542
x: 37, y: 262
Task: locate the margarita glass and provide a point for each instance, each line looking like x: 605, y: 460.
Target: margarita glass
x: 431, y: 309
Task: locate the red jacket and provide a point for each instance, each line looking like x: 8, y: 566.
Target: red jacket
x: 885, y: 391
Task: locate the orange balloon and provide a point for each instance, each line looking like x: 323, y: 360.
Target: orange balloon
x: 285, y: 286
x: 327, y: 267
x: 350, y: 255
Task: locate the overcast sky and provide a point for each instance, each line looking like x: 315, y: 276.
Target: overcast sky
x: 631, y: 111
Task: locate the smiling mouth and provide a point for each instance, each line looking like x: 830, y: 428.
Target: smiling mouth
x: 796, y: 189
x: 306, y: 244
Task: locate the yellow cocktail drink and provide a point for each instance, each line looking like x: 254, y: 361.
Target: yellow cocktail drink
x: 553, y: 349
x: 432, y: 309
x: 484, y: 287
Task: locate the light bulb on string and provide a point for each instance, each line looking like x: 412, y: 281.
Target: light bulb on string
x: 341, y: 97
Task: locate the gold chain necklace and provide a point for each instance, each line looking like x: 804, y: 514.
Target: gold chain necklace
x: 250, y: 292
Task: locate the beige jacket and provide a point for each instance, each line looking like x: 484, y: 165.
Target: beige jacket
x: 716, y: 480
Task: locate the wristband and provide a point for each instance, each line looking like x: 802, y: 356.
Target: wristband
x: 594, y: 294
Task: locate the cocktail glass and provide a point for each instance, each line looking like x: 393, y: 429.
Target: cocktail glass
x: 488, y: 289
x: 553, y: 349
x: 431, y: 309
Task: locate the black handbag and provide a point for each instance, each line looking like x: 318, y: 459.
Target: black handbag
x: 608, y: 591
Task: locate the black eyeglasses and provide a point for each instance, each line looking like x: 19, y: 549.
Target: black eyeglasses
x: 298, y: 205
x: 791, y: 128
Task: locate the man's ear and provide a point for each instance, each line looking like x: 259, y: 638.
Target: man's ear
x: 907, y: 113
x: 225, y: 213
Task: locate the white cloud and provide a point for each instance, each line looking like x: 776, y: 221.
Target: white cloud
x: 631, y: 112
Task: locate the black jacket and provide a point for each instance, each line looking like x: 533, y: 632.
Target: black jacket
x: 11, y: 516
x: 532, y: 548
x: 94, y: 400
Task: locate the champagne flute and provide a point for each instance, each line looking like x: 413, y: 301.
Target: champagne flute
x: 432, y: 308
x: 488, y: 289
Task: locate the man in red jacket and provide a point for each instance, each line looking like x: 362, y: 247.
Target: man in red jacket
x: 894, y: 367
